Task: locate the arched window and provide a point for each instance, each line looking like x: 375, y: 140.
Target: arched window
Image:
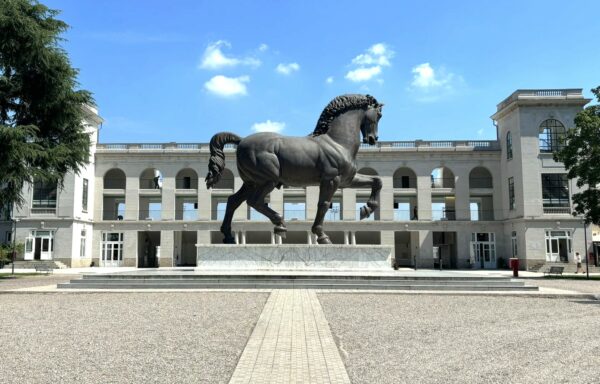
x: 508, y: 145
x: 551, y: 136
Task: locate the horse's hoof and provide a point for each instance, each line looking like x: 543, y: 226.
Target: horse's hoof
x: 280, y: 230
x: 323, y: 239
x: 365, y: 212
x: 229, y: 240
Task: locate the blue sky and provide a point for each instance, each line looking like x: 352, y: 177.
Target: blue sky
x: 181, y: 71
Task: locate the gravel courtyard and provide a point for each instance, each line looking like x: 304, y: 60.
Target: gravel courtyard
x: 125, y: 337
x: 444, y: 339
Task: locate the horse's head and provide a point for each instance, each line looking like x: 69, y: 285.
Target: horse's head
x: 368, y: 126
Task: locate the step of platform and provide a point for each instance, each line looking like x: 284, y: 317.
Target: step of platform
x: 427, y: 283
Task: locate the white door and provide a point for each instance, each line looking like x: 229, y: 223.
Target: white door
x: 29, y: 247
x: 111, y: 255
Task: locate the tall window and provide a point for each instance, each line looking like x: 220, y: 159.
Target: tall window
x: 84, y: 196
x: 509, y: 152
x: 44, y: 195
x: 555, y: 193
x: 551, y: 136
x: 511, y: 193
x: 82, y: 244
x: 515, y: 250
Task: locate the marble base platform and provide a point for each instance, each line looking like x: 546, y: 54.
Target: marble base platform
x: 294, y: 257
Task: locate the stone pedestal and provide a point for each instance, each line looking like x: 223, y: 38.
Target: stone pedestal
x: 294, y: 257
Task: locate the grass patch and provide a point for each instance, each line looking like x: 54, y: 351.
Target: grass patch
x: 573, y: 277
x: 8, y: 275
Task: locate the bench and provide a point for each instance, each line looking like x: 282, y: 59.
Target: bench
x: 554, y: 271
x: 43, y: 268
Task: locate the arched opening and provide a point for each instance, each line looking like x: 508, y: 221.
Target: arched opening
x: 367, y: 171
x: 226, y: 181
x: 442, y: 177
x: 481, y: 202
x: 480, y: 177
x: 114, y: 179
x: 151, y: 178
x: 186, y: 179
x: 405, y: 178
x: 551, y: 136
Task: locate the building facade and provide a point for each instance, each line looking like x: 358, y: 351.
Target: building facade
x: 468, y: 204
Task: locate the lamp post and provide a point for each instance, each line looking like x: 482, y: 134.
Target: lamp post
x: 585, y: 251
x: 14, y: 243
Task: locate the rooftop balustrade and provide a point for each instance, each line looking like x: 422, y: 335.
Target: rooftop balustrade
x: 416, y: 145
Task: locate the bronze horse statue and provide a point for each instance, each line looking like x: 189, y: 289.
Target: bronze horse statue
x: 325, y: 158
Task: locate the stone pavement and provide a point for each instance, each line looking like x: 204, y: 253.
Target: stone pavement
x: 291, y: 343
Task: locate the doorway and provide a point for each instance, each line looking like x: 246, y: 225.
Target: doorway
x: 148, y: 249
x: 39, y: 245
x: 483, y: 250
x: 185, y: 248
x: 558, y: 246
x: 444, y: 248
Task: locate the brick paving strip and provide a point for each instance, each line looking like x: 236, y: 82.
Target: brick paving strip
x: 291, y: 343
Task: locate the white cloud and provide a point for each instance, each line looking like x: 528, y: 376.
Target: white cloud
x: 329, y: 80
x: 268, y: 126
x: 430, y: 84
x: 286, y: 69
x: 480, y: 132
x: 263, y: 47
x: 227, y: 86
x: 370, y: 63
x: 426, y: 77
x: 363, y: 74
x: 214, y: 58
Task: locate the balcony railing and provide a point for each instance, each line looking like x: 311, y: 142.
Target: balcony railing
x: 557, y: 210
x: 443, y: 214
x: 442, y: 182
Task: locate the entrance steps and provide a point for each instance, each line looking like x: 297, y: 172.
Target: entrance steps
x: 295, y: 281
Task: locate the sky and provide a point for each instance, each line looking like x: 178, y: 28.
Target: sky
x: 183, y: 70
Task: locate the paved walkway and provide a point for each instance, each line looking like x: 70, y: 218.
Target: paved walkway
x: 291, y: 343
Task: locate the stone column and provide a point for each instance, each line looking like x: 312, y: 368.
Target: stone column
x: 273, y: 238
x: 387, y: 238
x: 462, y: 195
x: 424, y: 196
x: 243, y: 237
x: 276, y: 200
x: 386, y: 199
x: 130, y: 249
x: 203, y: 237
x: 132, y: 198
x: 204, y: 202
x: 168, y: 199
x: 166, y: 248
x: 349, y: 204
x: 242, y: 212
x: 346, y: 238
x: 425, y: 255
x: 352, y: 238
x: 312, y: 201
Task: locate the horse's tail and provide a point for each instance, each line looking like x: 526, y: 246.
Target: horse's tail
x: 216, y: 163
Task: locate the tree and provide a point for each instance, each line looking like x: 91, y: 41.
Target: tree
x: 581, y: 158
x: 41, y: 111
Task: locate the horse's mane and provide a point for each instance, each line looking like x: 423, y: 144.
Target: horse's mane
x: 339, y: 105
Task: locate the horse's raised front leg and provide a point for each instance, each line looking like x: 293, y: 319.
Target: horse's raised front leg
x: 233, y: 202
x: 257, y: 201
x: 326, y: 191
x: 374, y: 182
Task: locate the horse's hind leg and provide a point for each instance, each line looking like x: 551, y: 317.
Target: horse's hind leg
x: 326, y: 191
x: 257, y: 201
x: 233, y: 203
